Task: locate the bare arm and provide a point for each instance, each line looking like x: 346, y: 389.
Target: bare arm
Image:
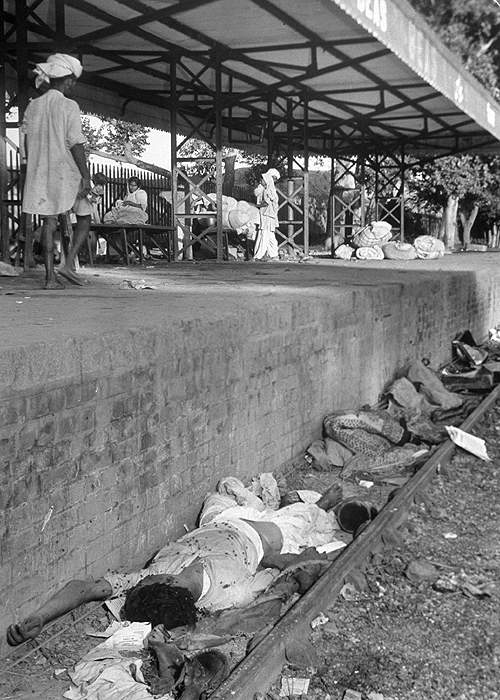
x: 78, y: 153
x: 73, y: 594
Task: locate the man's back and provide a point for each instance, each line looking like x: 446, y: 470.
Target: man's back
x: 52, y: 126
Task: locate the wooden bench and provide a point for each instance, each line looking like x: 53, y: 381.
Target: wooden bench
x: 129, y: 239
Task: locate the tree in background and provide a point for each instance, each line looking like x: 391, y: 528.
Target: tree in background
x: 461, y: 185
x: 471, y: 29
x: 458, y: 186
x: 112, y: 135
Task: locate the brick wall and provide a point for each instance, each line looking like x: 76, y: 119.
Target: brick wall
x: 121, y: 447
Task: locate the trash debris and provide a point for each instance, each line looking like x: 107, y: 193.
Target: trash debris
x: 330, y: 547
x: 135, y: 284
x: 266, y: 488
x: 365, y: 484
x: 469, y: 585
x: 294, y: 686
x: 108, y: 632
x: 450, y: 535
x: 352, y: 695
x: 349, y: 592
x: 468, y: 442
x: 47, y: 518
x: 322, y: 619
x: 421, y: 570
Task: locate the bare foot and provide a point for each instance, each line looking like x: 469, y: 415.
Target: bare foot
x: 54, y: 284
x: 21, y: 632
x: 71, y: 276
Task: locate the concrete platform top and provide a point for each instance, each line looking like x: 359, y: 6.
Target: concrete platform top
x: 202, y: 290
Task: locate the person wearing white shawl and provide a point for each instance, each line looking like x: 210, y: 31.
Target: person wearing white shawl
x: 266, y: 245
x: 56, y: 167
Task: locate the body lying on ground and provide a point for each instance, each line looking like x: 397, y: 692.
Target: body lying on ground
x: 233, y: 555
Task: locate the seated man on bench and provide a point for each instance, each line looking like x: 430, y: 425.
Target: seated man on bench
x: 219, y: 565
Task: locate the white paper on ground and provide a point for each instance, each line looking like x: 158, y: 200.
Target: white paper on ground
x: 294, y: 686
x: 330, y: 547
x: 115, y: 605
x: 466, y: 441
x: 103, y: 673
x: 307, y: 496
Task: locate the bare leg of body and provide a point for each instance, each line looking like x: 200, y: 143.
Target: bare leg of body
x: 48, y: 230
x: 82, y: 229
x: 75, y: 593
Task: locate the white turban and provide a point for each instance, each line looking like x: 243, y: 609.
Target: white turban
x: 273, y: 173
x: 59, y: 65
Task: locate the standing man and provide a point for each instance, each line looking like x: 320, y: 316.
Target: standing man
x: 56, y: 170
x: 266, y: 245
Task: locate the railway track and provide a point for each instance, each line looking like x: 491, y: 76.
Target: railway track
x: 263, y: 664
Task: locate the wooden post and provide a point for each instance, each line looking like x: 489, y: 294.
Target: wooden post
x: 23, y: 232
x: 306, y: 176
x: 218, y: 157
x: 4, y: 176
x: 173, y: 151
x: 402, y: 195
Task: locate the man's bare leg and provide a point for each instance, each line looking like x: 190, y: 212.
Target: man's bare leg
x: 82, y: 229
x: 73, y: 594
x: 48, y: 230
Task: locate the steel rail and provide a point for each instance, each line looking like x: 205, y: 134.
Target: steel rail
x: 260, y: 668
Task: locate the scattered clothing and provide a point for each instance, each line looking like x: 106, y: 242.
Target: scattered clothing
x: 367, y: 432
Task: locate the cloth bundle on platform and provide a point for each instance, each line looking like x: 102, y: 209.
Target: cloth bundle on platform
x: 428, y: 247
x: 344, y: 251
x: 378, y: 234
x: 373, y: 252
x: 397, y: 250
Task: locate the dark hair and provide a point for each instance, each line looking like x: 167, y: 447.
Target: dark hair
x: 160, y: 604
x: 134, y: 179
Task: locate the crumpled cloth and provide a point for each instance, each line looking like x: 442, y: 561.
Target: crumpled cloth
x: 379, y: 233
x: 428, y: 247
x: 104, y: 673
x: 432, y: 387
x: 266, y: 488
x: 391, y: 462
x: 327, y: 454
x: 397, y: 250
x: 124, y: 214
x: 373, y: 252
x: 367, y: 432
x: 344, y: 251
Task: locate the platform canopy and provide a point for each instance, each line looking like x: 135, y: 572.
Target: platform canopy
x: 349, y: 74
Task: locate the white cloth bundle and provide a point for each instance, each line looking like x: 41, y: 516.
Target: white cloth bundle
x: 379, y: 233
x: 372, y: 252
x: 344, y: 252
x: 428, y: 247
x: 396, y: 250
